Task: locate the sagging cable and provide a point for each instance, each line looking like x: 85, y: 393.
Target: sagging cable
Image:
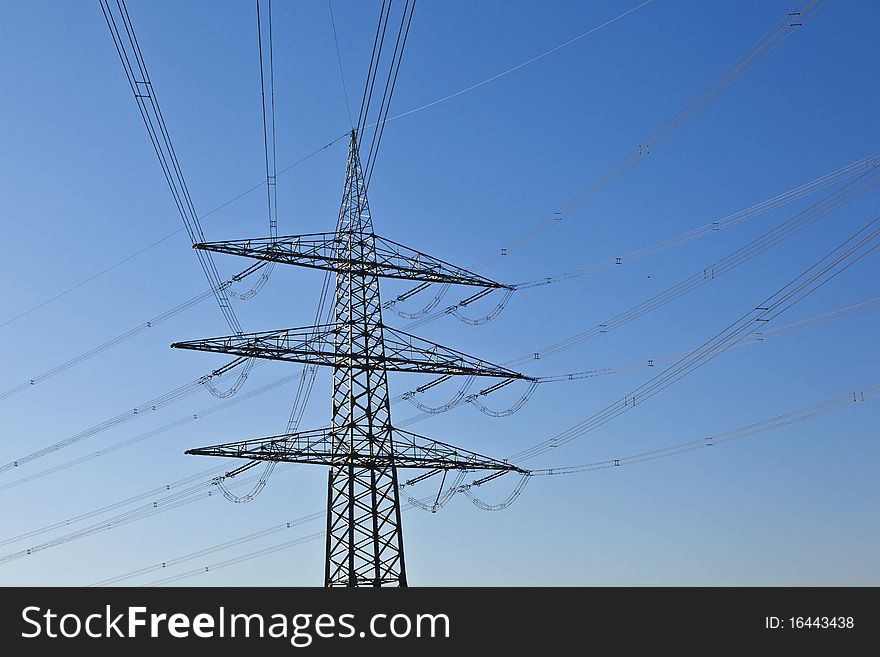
x: 258, y: 488
x: 242, y: 377
x: 255, y: 290
x: 488, y: 317
x: 452, y: 403
x: 424, y: 311
x: 442, y: 498
x: 480, y: 504
x: 474, y: 399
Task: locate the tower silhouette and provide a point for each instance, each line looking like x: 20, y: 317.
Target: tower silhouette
x: 362, y: 448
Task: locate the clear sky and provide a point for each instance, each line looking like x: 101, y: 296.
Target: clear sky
x: 80, y: 189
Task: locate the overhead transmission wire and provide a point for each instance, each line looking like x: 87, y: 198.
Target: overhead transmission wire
x: 149, y: 494
x: 512, y: 69
x: 386, y: 99
x: 845, y: 255
x: 309, y: 372
x: 339, y: 61
x: 372, y: 70
x: 787, y: 229
x: 204, y: 490
x: 781, y: 30
x: 159, y: 505
x: 855, y: 188
x: 151, y: 406
x: 870, y: 303
x: 296, y: 413
x: 130, y: 55
x: 818, y: 409
x: 271, y: 204
x: 151, y: 114
x: 759, y: 336
x: 728, y: 221
x: 386, y: 23
x: 268, y: 114
x: 290, y: 167
x: 734, y: 219
x: 388, y: 92
x: 152, y: 433
x: 273, y: 549
x: 170, y: 563
x: 127, y: 335
x: 803, y: 414
x: 231, y: 562
x: 132, y: 256
x: 158, y: 500
x: 849, y: 310
x: 835, y: 262
x: 711, y: 228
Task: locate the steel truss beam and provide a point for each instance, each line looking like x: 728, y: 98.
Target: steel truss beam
x: 321, y: 447
x: 322, y: 251
x: 317, y: 345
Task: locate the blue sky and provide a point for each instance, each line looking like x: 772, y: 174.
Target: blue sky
x: 80, y: 189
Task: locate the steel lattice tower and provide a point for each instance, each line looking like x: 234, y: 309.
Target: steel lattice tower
x: 362, y: 448
x: 364, y: 540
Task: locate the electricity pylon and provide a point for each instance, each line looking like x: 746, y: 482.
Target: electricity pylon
x: 361, y: 447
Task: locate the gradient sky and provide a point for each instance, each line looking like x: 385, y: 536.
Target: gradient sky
x: 80, y: 188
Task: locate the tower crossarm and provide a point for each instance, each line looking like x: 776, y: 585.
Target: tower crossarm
x: 333, y: 252
x: 315, y: 345
x: 321, y: 447
x: 401, y: 347
x: 310, y: 344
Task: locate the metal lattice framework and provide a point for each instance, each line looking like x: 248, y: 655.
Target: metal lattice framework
x: 361, y: 448
x: 318, y: 447
x: 317, y: 345
x: 326, y: 251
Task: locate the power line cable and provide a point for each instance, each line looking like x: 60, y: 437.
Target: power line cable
x: 818, y: 409
x: 123, y: 337
x: 268, y: 115
x: 339, y: 61
x: 315, y: 152
x: 842, y: 257
x: 831, y: 178
x: 838, y: 313
x: 134, y: 255
x: 870, y: 303
x: 390, y: 83
x: 757, y: 337
x: 772, y: 39
x: 130, y: 55
x: 712, y: 228
x: 151, y: 406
